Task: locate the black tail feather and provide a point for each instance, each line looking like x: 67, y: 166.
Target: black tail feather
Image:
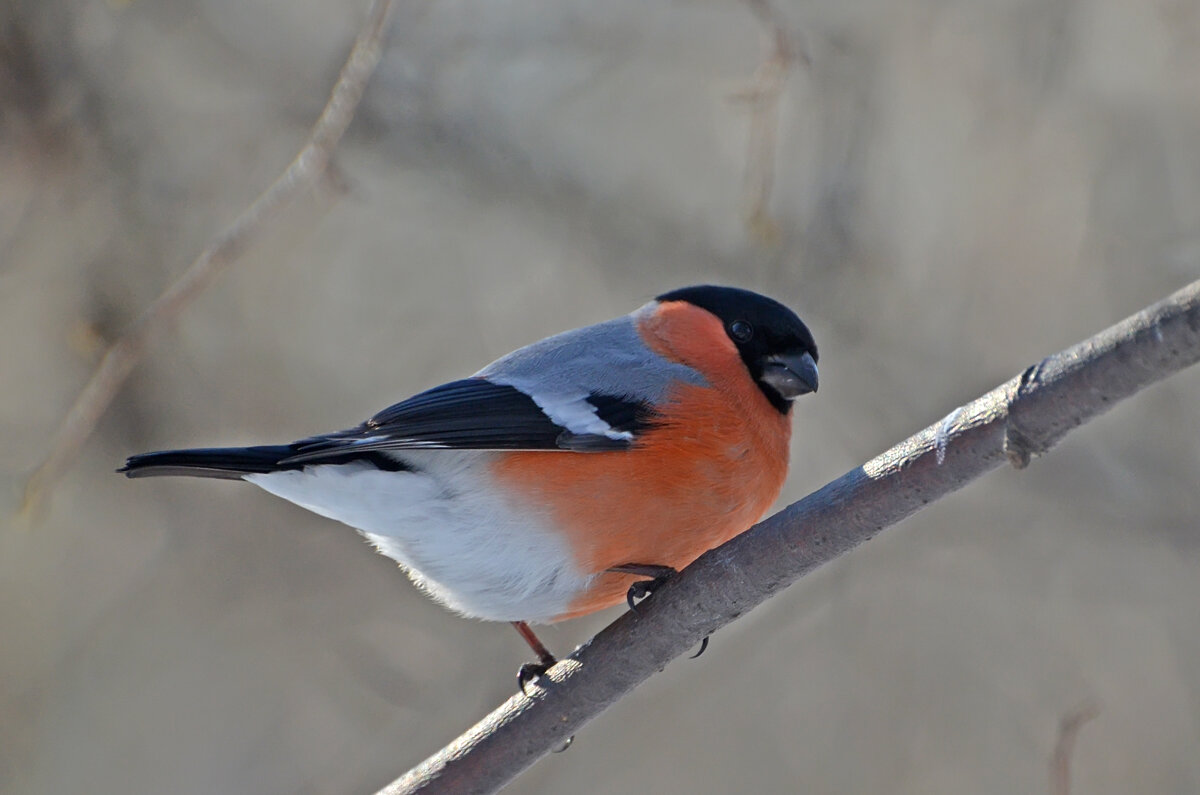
x: 231, y: 463
x: 215, y: 462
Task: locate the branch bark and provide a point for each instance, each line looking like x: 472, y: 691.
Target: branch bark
x: 302, y: 173
x: 1019, y: 419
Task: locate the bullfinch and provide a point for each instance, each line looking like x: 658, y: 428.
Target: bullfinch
x: 571, y: 474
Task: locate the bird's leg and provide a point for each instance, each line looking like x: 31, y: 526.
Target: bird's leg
x: 530, y: 671
x: 643, y: 588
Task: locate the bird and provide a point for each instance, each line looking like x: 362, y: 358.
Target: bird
x: 571, y: 475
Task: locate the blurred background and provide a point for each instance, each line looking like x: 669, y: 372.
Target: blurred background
x: 945, y: 191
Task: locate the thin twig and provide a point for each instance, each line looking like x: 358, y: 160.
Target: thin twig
x: 763, y: 95
x: 1068, y: 732
x: 1019, y: 419
x: 301, y: 174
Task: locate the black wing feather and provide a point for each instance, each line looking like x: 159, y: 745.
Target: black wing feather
x: 624, y: 414
x: 471, y: 414
x: 467, y: 411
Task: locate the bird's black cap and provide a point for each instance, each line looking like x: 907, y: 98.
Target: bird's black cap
x: 774, y: 330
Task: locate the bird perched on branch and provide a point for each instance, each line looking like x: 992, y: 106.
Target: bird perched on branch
x: 568, y: 476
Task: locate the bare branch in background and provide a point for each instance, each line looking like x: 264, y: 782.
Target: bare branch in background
x: 302, y: 174
x: 1064, y: 747
x: 1017, y: 420
x: 763, y: 96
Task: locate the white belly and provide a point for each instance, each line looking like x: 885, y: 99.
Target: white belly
x: 459, y: 540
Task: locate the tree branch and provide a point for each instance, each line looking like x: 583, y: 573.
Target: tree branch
x: 1024, y: 417
x: 301, y: 174
x: 763, y: 95
x: 1068, y: 732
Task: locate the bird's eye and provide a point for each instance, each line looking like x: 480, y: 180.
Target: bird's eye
x: 741, y: 331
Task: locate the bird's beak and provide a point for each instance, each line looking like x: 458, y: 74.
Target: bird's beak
x: 791, y: 375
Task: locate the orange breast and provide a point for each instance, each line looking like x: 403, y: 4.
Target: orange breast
x: 708, y: 471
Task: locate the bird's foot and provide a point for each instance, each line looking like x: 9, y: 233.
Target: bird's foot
x: 642, y: 588
x: 532, y: 671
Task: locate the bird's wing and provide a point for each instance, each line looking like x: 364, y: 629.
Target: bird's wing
x: 477, y: 414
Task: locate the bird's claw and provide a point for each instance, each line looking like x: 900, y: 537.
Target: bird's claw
x: 531, y: 671
x: 640, y: 590
x: 656, y: 575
